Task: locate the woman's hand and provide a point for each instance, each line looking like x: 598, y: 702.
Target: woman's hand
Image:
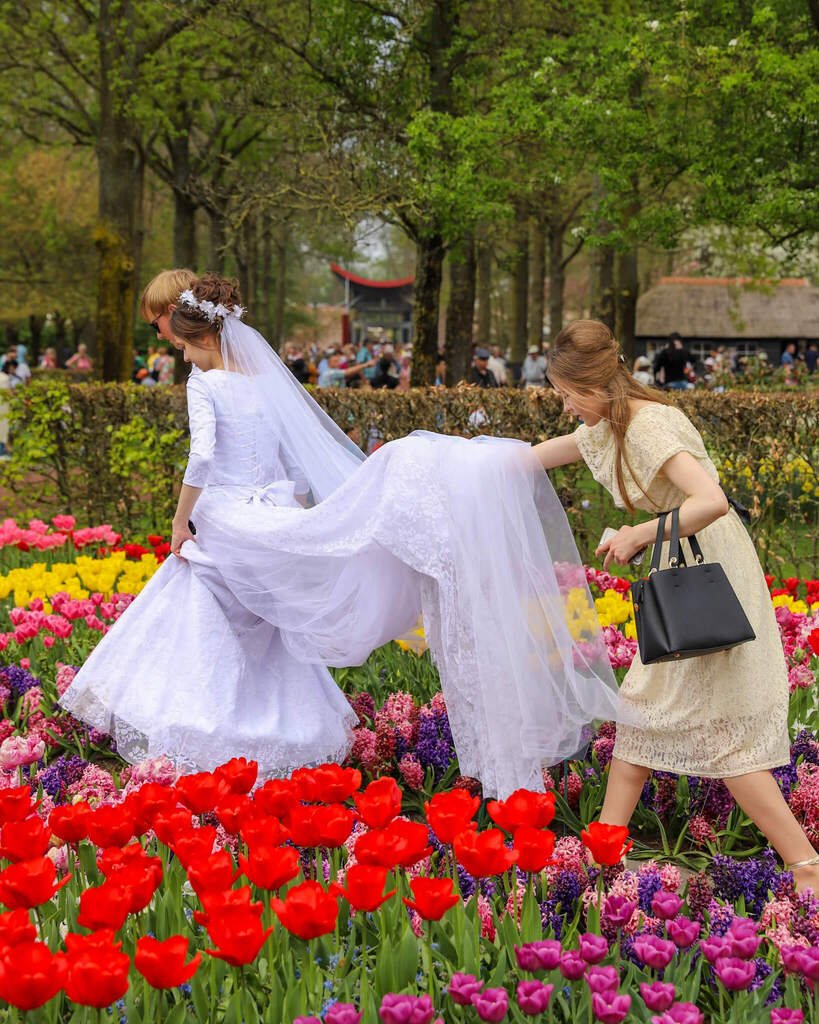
x: 180, y: 532
x: 623, y: 546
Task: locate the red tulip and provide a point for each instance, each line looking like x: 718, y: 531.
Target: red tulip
x: 162, y: 964
x: 111, y: 826
x: 140, y: 882
x: 211, y: 874
x: 16, y: 927
x: 29, y: 883
x: 328, y: 783
x: 400, y: 844
x: 168, y: 824
x: 451, y: 813
x: 307, y: 910
x: 238, y: 934
x: 433, y: 897
x: 523, y: 807
x: 813, y: 641
x: 364, y: 887
x: 535, y: 847
x: 103, y: 940
x: 24, y: 840
x: 194, y: 844
x: 97, y: 976
x: 106, y: 906
x: 15, y: 804
x: 314, y: 825
x: 277, y: 796
x: 380, y: 802
x: 239, y: 774
x: 221, y: 903
x: 116, y: 859
x: 202, y: 791
x: 270, y: 867
x: 264, y: 830
x: 150, y: 800
x: 30, y: 975
x: 69, y: 822
x: 483, y: 853
x: 234, y: 811
x: 606, y: 843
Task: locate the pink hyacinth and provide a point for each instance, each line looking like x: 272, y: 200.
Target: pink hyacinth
x: 411, y: 772
x: 610, y: 1007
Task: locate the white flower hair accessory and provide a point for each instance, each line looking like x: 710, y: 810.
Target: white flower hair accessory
x: 212, y: 311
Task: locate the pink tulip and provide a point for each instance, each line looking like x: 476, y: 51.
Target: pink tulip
x: 492, y: 1004
x: 658, y: 996
x: 735, y: 974
x: 16, y: 751
x: 593, y: 948
x: 572, y: 965
x: 683, y: 932
x: 666, y: 905
x: 618, y: 910
x: 714, y: 947
x: 533, y: 997
x: 784, y: 1015
x: 654, y: 951
x: 609, y: 1007
x: 539, y: 956
x: 680, y: 1013
x: 462, y: 987
x: 808, y: 960
x: 602, y: 979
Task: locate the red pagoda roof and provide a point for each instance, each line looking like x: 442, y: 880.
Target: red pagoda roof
x: 365, y: 282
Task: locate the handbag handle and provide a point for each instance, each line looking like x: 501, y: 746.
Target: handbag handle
x: 658, y: 543
x: 676, y: 556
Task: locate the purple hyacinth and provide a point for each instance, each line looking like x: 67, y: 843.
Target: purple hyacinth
x: 806, y: 747
x: 752, y: 879
x: 786, y: 777
x: 566, y: 891
x: 434, y: 748
x: 19, y: 680
x: 61, y: 773
x: 649, y: 883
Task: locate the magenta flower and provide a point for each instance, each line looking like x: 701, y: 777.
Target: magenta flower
x: 742, y: 937
x: 654, y: 951
x: 618, y: 910
x: 609, y: 1007
x: 462, y: 988
x: 808, y: 960
x: 533, y: 997
x: 307, y: 1020
x: 784, y: 1015
x: 602, y: 979
x: 683, y: 932
x: 680, y: 1013
x: 16, y: 751
x: 572, y: 965
x: 492, y: 1004
x: 342, y: 1013
x: 658, y: 996
x: 593, y: 948
x: 539, y: 956
x: 735, y: 974
x: 666, y: 905
x: 714, y: 947
x: 403, y: 1009
x: 790, y: 958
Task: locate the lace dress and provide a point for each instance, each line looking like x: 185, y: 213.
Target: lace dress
x: 224, y: 653
x: 722, y: 714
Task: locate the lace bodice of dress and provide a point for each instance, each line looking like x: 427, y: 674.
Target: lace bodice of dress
x: 231, y: 438
x: 655, y: 434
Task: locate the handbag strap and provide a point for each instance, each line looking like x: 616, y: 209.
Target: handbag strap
x: 658, y: 543
x: 675, y: 552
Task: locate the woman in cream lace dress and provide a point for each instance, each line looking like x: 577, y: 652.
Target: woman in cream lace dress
x: 722, y: 715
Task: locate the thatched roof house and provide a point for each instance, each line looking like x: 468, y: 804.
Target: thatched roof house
x: 709, y: 311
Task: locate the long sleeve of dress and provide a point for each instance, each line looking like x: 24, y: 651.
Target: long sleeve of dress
x: 202, y: 419
x: 294, y: 472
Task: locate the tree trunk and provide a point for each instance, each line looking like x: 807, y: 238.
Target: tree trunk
x: 266, y: 278
x: 184, y: 208
x: 557, y: 276
x: 120, y: 170
x: 217, y: 242
x: 628, y: 287
x: 280, y: 245
x: 603, y: 285
x: 537, y: 279
x: 484, y: 288
x: 428, y: 275
x: 520, y: 290
x: 461, y: 309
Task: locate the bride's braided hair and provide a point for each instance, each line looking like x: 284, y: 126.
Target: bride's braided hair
x: 193, y: 324
x: 586, y: 358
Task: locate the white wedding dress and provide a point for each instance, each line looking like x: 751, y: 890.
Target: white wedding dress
x: 224, y: 653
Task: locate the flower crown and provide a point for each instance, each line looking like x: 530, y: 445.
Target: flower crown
x: 211, y: 310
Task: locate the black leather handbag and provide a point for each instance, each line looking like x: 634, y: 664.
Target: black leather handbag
x: 685, y: 610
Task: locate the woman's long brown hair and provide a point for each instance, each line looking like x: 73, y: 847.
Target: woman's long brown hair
x: 586, y: 358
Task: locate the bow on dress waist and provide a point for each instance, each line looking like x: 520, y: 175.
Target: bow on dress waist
x: 280, y: 492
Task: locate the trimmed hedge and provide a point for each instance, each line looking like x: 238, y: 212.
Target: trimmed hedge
x: 115, y: 452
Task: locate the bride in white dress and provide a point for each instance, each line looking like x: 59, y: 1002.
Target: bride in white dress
x: 306, y: 555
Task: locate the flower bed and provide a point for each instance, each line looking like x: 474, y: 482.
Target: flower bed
x: 198, y: 871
